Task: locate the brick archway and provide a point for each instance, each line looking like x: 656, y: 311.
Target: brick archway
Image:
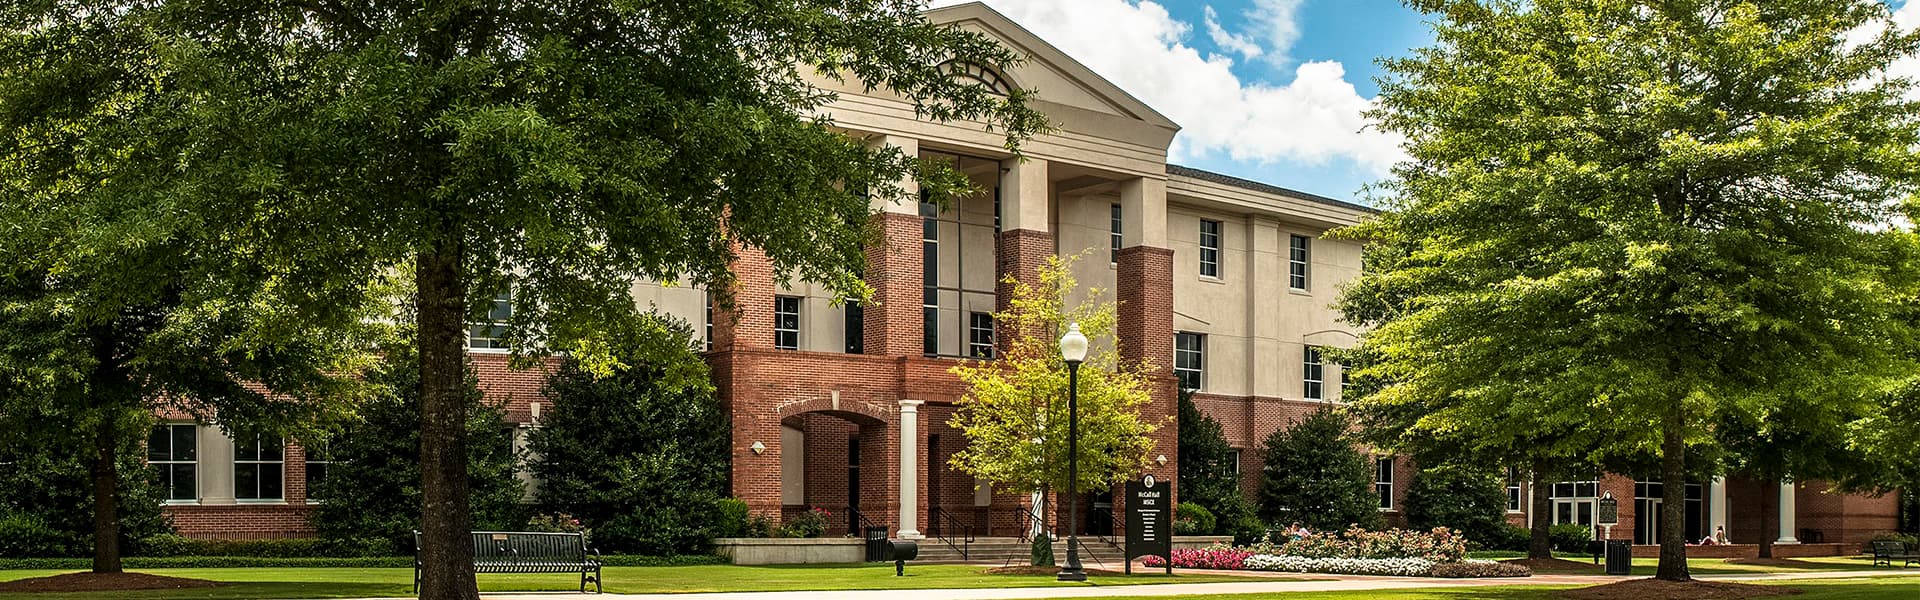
x: 864, y: 414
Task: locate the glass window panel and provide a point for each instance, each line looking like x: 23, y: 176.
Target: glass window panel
x: 185, y: 447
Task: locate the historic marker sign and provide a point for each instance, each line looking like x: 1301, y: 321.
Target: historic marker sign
x: 1149, y: 521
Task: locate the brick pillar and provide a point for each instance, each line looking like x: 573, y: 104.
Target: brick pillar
x: 1143, y: 283
x: 749, y: 325
x: 894, y: 270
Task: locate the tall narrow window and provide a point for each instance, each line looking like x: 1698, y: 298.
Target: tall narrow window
x: 174, y: 451
x: 1236, y: 462
x: 709, y: 321
x: 319, y: 461
x: 492, y: 333
x: 259, y: 464
x: 1514, y: 496
x: 1383, y: 481
x: 1209, y: 248
x: 856, y: 328
x: 980, y: 335
x: 1114, y: 237
x: 1312, y: 373
x: 930, y: 269
x: 1190, y: 359
x: 1297, y: 261
x: 786, y: 322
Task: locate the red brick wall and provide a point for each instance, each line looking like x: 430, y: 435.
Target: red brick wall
x: 1144, y: 287
x: 893, y: 322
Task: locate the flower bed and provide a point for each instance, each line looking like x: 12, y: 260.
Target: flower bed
x: 1437, y: 553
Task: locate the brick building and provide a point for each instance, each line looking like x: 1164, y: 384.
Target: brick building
x: 1224, y: 283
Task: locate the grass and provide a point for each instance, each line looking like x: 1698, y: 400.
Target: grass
x: 1881, y: 588
x: 354, y: 583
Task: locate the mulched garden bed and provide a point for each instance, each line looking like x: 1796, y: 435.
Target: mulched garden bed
x: 1655, y: 589
x: 104, y: 582
x: 1032, y: 570
x: 1778, y: 562
x: 1555, y: 565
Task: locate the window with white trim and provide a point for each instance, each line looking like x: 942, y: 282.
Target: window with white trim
x: 1383, y: 481
x: 1297, y: 248
x: 980, y: 335
x: 786, y: 322
x: 1312, y: 374
x: 709, y: 321
x: 930, y: 273
x: 319, y: 460
x: 1515, y: 499
x: 1114, y: 237
x: 259, y: 468
x: 492, y: 333
x: 1190, y: 359
x: 174, y: 451
x: 1209, y: 248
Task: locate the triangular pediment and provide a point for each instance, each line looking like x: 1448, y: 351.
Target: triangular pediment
x: 1052, y: 75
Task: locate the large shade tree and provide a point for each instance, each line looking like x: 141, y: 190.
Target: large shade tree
x: 1664, y: 210
x: 577, y: 147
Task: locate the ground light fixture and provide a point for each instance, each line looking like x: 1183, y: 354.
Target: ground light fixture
x: 1073, y: 349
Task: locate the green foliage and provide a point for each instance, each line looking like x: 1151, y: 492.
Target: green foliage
x: 1207, y: 477
x: 1470, y: 501
x: 811, y: 523
x: 1193, y: 519
x: 169, y: 545
x: 1511, y: 538
x: 640, y: 455
x: 1570, y: 537
x: 46, y: 488
x: 372, y: 489
x: 731, y: 520
x: 1014, y: 413
x: 1314, y: 475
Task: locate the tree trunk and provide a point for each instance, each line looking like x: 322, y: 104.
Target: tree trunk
x: 1673, y: 497
x: 1541, y: 546
x: 106, y: 485
x: 1770, y: 509
x: 446, y: 554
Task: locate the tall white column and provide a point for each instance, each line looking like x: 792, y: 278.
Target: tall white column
x: 1024, y: 202
x: 1786, y: 514
x: 909, y: 476
x: 1717, y: 506
x: 216, y: 466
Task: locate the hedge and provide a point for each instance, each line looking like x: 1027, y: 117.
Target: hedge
x: 379, y: 562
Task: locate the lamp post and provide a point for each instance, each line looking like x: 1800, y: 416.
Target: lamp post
x: 1073, y: 348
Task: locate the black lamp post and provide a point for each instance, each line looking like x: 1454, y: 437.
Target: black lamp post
x: 1073, y: 348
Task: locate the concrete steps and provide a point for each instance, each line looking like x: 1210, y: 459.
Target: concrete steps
x: 1094, y: 554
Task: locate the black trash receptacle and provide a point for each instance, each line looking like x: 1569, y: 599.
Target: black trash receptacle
x: 1619, y: 557
x: 877, y: 544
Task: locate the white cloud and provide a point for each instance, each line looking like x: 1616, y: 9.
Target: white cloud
x: 1279, y: 24
x: 1316, y: 119
x: 1237, y: 43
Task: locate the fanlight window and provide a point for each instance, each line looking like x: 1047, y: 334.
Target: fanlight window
x: 979, y: 73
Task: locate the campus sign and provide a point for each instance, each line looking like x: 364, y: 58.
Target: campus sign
x: 1149, y: 521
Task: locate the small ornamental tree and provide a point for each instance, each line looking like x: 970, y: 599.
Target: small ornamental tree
x: 1470, y: 501
x: 372, y: 486
x: 1014, y: 413
x: 639, y: 456
x: 1315, y: 475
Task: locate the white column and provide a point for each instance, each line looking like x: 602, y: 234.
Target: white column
x: 909, y: 477
x: 911, y: 148
x: 216, y: 466
x: 1786, y: 514
x: 1143, y: 212
x: 1717, y: 506
x: 1023, y: 195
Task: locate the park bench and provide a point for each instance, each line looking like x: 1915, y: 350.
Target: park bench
x: 1887, y: 551
x: 528, y: 552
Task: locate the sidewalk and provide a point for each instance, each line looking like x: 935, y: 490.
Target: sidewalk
x: 1317, y: 583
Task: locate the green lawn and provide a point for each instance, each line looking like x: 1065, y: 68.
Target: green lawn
x: 1884, y: 588
x: 1713, y: 566
x: 347, y: 583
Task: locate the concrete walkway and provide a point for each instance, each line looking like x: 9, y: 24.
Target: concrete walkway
x: 1297, y: 583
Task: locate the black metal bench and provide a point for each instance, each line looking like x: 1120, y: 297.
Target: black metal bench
x: 1887, y: 551
x: 528, y: 552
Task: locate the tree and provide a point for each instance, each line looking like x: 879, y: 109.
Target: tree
x: 1659, y: 211
x: 1313, y: 474
x: 639, y: 456
x: 48, y: 485
x: 1014, y: 413
x: 576, y: 147
x: 1470, y: 501
x: 372, y: 484
x: 1207, y: 476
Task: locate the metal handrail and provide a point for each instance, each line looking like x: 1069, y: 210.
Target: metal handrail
x: 940, y: 518
x: 861, y: 518
x: 1112, y: 538
x: 1027, y: 519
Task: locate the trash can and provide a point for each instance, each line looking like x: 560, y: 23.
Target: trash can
x: 876, y: 544
x: 1619, y: 557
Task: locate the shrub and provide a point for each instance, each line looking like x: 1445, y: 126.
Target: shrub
x: 810, y: 524
x: 1570, y: 537
x: 170, y: 546
x: 46, y: 485
x: 1211, y: 557
x: 732, y: 518
x: 639, y: 455
x: 1206, y: 474
x: 1405, y: 567
x: 1193, y: 519
x: 1480, y: 568
x: 1438, y: 545
x: 1511, y: 537
x: 1314, y: 475
x: 1910, y: 540
x: 26, y: 535
x: 1471, y: 502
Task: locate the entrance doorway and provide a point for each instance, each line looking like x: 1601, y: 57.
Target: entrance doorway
x: 1575, y: 503
x: 1649, y: 497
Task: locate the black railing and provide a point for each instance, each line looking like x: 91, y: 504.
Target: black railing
x: 960, y: 541
x: 1027, y: 522
x: 1114, y: 526
x: 859, y: 519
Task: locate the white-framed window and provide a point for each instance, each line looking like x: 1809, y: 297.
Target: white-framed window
x: 1114, y: 237
x: 1297, y: 249
x: 259, y: 468
x: 1209, y: 248
x: 1516, y: 499
x: 709, y: 321
x: 980, y: 335
x: 173, y: 450
x: 786, y: 322
x: 1312, y: 374
x: 319, y: 461
x: 930, y: 273
x: 492, y: 333
x: 1190, y: 359
x: 1383, y: 481
x: 1236, y: 461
